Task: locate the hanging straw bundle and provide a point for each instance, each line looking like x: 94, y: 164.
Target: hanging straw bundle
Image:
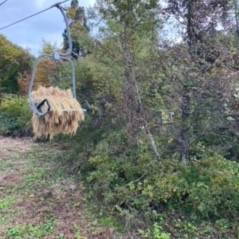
x: 64, y: 116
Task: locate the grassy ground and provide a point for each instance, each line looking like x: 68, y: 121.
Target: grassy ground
x: 38, y: 199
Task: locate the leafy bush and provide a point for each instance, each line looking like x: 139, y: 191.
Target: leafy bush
x: 158, y: 234
x: 131, y: 181
x: 208, y: 188
x: 15, y: 116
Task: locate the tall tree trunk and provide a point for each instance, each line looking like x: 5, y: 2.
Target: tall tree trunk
x: 185, y: 118
x: 193, y: 43
x: 133, y: 106
x: 191, y: 28
x: 184, y: 137
x: 236, y: 9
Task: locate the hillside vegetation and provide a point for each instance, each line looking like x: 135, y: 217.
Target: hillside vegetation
x: 159, y: 150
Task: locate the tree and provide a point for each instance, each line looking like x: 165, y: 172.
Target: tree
x: 128, y: 21
x: 14, y: 62
x: 236, y: 10
x: 200, y: 19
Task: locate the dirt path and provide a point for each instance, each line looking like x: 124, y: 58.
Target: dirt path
x: 8, y: 146
x: 38, y: 199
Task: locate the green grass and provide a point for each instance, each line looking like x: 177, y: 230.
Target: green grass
x: 7, y: 209
x: 36, y: 176
x: 5, y: 164
x: 40, y: 173
x: 31, y: 231
x: 78, y: 235
x: 109, y: 222
x: 7, y: 203
x: 44, y: 185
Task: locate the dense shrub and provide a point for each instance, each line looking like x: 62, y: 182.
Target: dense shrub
x: 131, y: 181
x: 15, y: 116
x: 208, y: 188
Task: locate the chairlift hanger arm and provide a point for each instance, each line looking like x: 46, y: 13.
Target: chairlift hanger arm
x: 57, y: 56
x: 68, y: 31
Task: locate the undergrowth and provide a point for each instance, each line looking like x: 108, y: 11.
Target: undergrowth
x: 158, y: 199
x: 15, y: 116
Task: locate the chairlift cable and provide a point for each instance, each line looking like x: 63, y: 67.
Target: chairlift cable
x: 3, y: 2
x: 32, y: 15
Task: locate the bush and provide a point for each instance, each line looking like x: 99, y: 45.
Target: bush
x: 207, y: 189
x: 131, y: 181
x: 195, y: 201
x: 15, y: 116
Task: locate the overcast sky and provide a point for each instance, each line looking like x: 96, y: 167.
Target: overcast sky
x: 31, y: 33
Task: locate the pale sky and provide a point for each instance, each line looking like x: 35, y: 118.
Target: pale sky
x: 31, y: 33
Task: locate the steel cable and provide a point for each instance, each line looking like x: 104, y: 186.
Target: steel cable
x: 32, y: 15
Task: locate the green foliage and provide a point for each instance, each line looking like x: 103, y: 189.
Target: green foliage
x: 7, y: 202
x: 158, y: 233
x: 123, y: 178
x: 129, y: 181
x: 14, y: 61
x: 126, y: 180
x: 129, y: 184
x: 98, y: 81
x: 31, y: 231
x: 155, y: 232
x: 15, y: 116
